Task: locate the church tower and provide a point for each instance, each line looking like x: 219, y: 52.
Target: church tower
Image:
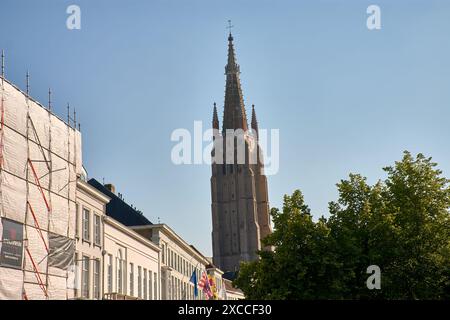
x: 240, y: 207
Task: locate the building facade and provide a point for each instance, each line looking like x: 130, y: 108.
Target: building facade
x: 131, y: 264
x: 240, y: 206
x: 89, y: 235
x: 178, y: 261
x: 232, y: 293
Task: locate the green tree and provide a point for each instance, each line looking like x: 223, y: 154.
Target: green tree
x: 301, y: 267
x: 418, y: 200
x: 401, y: 224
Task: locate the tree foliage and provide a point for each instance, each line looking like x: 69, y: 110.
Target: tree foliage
x: 401, y: 224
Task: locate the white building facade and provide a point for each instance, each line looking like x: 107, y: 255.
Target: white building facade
x: 89, y: 235
x: 131, y: 264
x: 178, y: 262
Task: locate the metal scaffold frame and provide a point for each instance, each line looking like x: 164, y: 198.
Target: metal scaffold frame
x: 42, y: 156
x: 29, y: 208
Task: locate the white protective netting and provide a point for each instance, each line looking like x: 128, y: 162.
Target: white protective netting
x: 11, y: 282
x: 45, y: 147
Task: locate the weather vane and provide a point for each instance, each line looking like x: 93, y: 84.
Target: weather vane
x: 230, y: 25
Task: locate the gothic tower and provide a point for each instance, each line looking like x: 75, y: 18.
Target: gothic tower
x: 240, y: 207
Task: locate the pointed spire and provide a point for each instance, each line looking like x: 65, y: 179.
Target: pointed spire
x: 215, y: 121
x: 232, y: 66
x: 234, y: 110
x: 254, y: 121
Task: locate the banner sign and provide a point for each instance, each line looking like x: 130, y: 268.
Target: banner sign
x: 62, y: 251
x: 12, y: 244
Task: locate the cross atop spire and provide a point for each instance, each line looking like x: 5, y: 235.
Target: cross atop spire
x: 230, y: 26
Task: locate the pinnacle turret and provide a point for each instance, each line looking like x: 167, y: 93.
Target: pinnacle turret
x: 254, y: 120
x: 215, y: 121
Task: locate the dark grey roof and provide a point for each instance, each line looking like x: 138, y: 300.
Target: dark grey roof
x: 119, y: 209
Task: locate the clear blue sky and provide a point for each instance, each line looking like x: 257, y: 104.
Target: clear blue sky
x: 345, y: 99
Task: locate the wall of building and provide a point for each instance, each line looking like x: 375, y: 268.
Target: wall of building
x: 232, y: 293
x: 90, y: 213
x: 178, y: 261
x: 131, y: 264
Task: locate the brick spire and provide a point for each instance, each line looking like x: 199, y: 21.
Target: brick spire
x: 234, y: 110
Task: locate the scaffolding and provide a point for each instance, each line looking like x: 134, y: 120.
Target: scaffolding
x: 40, y: 159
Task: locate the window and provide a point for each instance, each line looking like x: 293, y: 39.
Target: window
x: 120, y: 272
x: 139, y: 282
x: 77, y: 216
x: 77, y: 273
x: 171, y: 288
x: 163, y: 256
x: 145, y: 284
x: 155, y: 286
x: 97, y: 229
x: 85, y: 278
x: 86, y: 224
x: 183, y: 292
x: 175, y: 263
x: 110, y: 268
x: 131, y: 279
x: 150, y: 296
x: 97, y: 279
x: 175, y: 289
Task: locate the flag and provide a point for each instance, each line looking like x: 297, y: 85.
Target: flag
x: 204, y: 285
x: 194, y: 281
x: 212, y: 285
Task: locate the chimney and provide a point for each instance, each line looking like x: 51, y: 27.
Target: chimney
x: 110, y: 187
